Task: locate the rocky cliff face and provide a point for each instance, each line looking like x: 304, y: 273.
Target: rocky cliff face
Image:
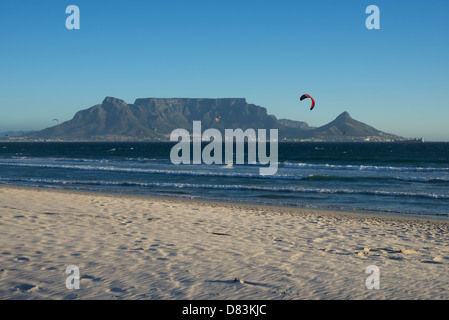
x: 155, y: 118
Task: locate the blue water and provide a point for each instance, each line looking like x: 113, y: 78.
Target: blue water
x: 409, y: 179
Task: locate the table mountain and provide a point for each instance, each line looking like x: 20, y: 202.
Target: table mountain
x: 155, y: 118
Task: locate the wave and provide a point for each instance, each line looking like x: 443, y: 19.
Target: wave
x: 238, y: 187
x: 138, y: 170
x: 313, y: 177
x: 286, y: 164
x: 360, y: 167
x: 87, y: 160
x: 110, y: 167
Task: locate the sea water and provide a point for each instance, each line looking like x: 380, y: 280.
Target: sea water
x: 406, y: 179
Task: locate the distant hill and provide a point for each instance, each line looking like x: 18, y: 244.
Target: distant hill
x: 344, y: 127
x: 153, y: 119
x: 295, y: 124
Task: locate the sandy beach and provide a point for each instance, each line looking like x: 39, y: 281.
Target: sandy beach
x: 130, y: 247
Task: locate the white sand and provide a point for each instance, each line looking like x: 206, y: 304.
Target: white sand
x: 147, y: 248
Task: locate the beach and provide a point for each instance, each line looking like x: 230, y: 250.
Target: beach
x: 142, y: 247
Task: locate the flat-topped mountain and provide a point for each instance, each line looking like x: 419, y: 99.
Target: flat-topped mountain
x: 153, y: 119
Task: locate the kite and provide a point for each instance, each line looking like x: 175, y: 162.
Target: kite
x: 56, y: 120
x: 305, y: 96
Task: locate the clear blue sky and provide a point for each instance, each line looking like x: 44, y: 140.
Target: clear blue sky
x: 269, y: 52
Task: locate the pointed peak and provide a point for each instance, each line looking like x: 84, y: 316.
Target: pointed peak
x: 344, y: 115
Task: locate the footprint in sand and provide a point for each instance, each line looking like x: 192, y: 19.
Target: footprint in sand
x: 92, y: 278
x: 23, y: 259
x: 26, y: 287
x: 386, y: 252
x: 49, y: 268
x: 50, y: 213
x: 436, y: 260
x: 72, y: 296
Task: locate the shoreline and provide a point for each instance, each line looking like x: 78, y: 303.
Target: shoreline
x: 137, y: 248
x: 356, y: 214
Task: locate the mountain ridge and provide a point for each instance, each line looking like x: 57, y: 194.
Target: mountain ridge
x: 153, y: 119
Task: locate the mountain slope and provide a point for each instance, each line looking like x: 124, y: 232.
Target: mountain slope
x: 344, y: 127
x: 155, y: 119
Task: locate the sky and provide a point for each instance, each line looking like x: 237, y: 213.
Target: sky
x: 270, y: 52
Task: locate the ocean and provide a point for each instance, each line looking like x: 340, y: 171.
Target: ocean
x: 399, y: 179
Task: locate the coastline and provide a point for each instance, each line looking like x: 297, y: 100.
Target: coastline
x: 355, y: 214
x: 141, y: 247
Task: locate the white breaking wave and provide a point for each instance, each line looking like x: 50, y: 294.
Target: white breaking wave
x: 358, y: 167
x: 291, y: 189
